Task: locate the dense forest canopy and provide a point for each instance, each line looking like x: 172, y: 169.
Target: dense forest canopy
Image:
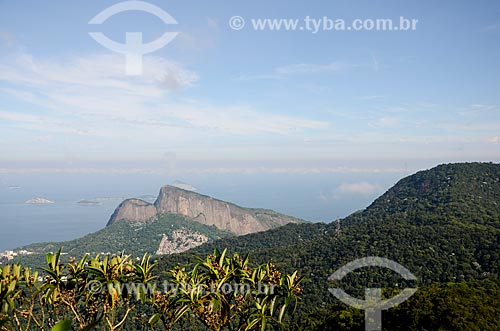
x: 442, y: 224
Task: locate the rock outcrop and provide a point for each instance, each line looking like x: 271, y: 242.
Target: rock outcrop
x: 180, y: 241
x: 133, y: 210
x: 207, y: 210
x: 204, y: 209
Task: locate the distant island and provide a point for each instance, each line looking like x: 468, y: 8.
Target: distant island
x: 40, y: 201
x: 89, y: 203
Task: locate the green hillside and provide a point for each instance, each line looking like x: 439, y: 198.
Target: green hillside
x: 442, y: 224
x: 134, y: 238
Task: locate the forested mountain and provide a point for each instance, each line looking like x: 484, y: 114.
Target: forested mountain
x: 442, y: 224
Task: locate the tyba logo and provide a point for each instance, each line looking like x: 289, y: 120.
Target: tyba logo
x: 134, y: 48
x: 373, y: 304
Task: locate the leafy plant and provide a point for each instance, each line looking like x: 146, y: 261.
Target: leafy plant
x: 103, y: 292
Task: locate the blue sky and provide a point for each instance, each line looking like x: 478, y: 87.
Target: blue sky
x: 280, y: 100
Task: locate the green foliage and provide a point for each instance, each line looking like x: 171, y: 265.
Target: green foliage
x: 465, y: 306
x: 224, y: 292
x: 442, y: 224
x: 116, y: 292
x: 64, y: 325
x: 460, y: 306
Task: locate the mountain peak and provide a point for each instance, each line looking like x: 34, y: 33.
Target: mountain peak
x: 133, y: 210
x: 460, y: 188
x: 204, y: 209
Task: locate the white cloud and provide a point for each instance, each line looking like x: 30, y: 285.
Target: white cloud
x: 361, y: 188
x: 96, y: 71
x: 42, y: 123
x: 294, y: 69
x: 91, y: 97
x: 243, y: 120
x: 96, y: 85
x: 284, y: 71
x: 476, y: 110
x: 364, y: 189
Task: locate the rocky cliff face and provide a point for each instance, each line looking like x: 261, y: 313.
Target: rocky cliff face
x: 133, y: 210
x: 206, y: 210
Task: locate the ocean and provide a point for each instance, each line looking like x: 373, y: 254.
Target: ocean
x: 24, y: 224
x: 313, y: 197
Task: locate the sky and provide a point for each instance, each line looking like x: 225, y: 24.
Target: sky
x: 219, y: 99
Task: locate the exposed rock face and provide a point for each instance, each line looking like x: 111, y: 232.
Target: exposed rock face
x: 179, y: 241
x: 206, y: 210
x: 133, y: 210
